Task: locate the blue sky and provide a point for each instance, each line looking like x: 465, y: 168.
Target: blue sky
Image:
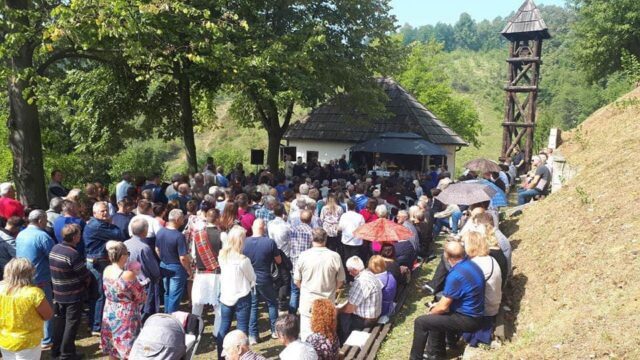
x: 422, y: 12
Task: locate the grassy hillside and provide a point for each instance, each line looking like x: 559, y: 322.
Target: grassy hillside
x: 577, y: 294
x: 478, y: 76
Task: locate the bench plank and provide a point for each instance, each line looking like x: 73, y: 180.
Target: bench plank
x: 373, y: 334
x: 379, y: 339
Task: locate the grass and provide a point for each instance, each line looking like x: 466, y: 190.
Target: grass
x: 578, y: 251
x: 397, y: 344
x: 490, y: 137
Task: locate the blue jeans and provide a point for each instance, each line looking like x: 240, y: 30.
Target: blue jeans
x: 455, y: 220
x: 242, y: 310
x: 96, y: 306
x: 294, y: 300
x: 524, y: 196
x: 48, y: 325
x: 174, y: 278
x: 268, y: 294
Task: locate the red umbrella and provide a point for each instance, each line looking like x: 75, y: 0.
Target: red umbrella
x: 382, y: 230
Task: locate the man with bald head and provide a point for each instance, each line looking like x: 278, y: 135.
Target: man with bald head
x: 263, y: 252
x: 459, y: 310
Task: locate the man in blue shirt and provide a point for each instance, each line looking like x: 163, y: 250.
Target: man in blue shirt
x: 262, y: 252
x: 220, y: 178
x: 461, y: 308
x: 34, y: 244
x: 124, y: 215
x: 96, y: 233
x: 123, y: 186
x: 175, y: 262
x: 69, y: 216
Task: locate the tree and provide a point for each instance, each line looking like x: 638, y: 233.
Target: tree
x: 425, y: 77
x: 27, y: 50
x: 444, y: 34
x: 176, y: 46
x: 466, y: 33
x: 604, y: 30
x: 301, y: 53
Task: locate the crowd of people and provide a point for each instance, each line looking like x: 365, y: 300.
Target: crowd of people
x: 233, y: 241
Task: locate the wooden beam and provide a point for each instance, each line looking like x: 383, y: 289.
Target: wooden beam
x: 518, y: 124
x: 525, y: 60
x: 516, y: 141
x: 523, y: 72
x: 521, y: 88
x: 520, y: 108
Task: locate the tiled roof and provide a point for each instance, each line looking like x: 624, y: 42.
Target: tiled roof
x: 330, y: 122
x: 526, y: 23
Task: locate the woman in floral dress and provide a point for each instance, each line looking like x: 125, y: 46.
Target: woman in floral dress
x: 121, y: 319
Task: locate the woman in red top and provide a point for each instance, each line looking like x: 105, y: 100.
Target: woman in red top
x: 369, y: 212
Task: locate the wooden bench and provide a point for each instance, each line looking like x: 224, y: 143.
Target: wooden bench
x: 378, y: 332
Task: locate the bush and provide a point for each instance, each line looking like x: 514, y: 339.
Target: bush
x: 140, y: 159
x: 78, y: 169
x: 225, y: 157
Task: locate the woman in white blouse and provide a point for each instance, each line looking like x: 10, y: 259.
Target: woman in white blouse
x: 237, y: 279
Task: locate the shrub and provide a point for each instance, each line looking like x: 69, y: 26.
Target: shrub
x: 141, y: 159
x: 78, y: 169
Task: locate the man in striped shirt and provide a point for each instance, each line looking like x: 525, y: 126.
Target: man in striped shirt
x: 301, y: 239
x: 70, y: 279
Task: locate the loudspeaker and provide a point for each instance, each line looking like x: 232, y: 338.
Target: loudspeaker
x: 257, y: 157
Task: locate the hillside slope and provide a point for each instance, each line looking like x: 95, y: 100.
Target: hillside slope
x: 577, y: 288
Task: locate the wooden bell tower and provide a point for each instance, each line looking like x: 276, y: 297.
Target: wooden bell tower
x: 525, y: 31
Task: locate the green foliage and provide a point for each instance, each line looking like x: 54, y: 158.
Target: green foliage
x: 583, y: 195
x: 466, y: 33
x: 140, y: 158
x: 631, y: 66
x: 426, y: 77
x: 6, y: 160
x: 606, y: 29
x: 79, y: 169
x: 303, y: 53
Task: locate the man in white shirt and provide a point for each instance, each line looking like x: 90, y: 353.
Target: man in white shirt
x: 349, y: 222
x: 145, y: 212
x: 318, y: 274
x: 288, y: 331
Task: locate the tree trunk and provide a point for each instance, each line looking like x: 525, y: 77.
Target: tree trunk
x: 273, y: 151
x: 186, y: 119
x: 24, y: 126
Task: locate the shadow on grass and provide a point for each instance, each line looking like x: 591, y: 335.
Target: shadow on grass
x: 518, y: 287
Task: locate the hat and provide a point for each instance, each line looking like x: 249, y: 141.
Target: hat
x: 416, y: 182
x: 325, y: 182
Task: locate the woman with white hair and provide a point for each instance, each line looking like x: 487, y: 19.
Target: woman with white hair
x: 24, y: 309
x: 237, y: 279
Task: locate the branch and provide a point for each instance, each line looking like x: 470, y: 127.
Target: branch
x: 263, y: 116
x: 67, y: 54
x: 287, y: 116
